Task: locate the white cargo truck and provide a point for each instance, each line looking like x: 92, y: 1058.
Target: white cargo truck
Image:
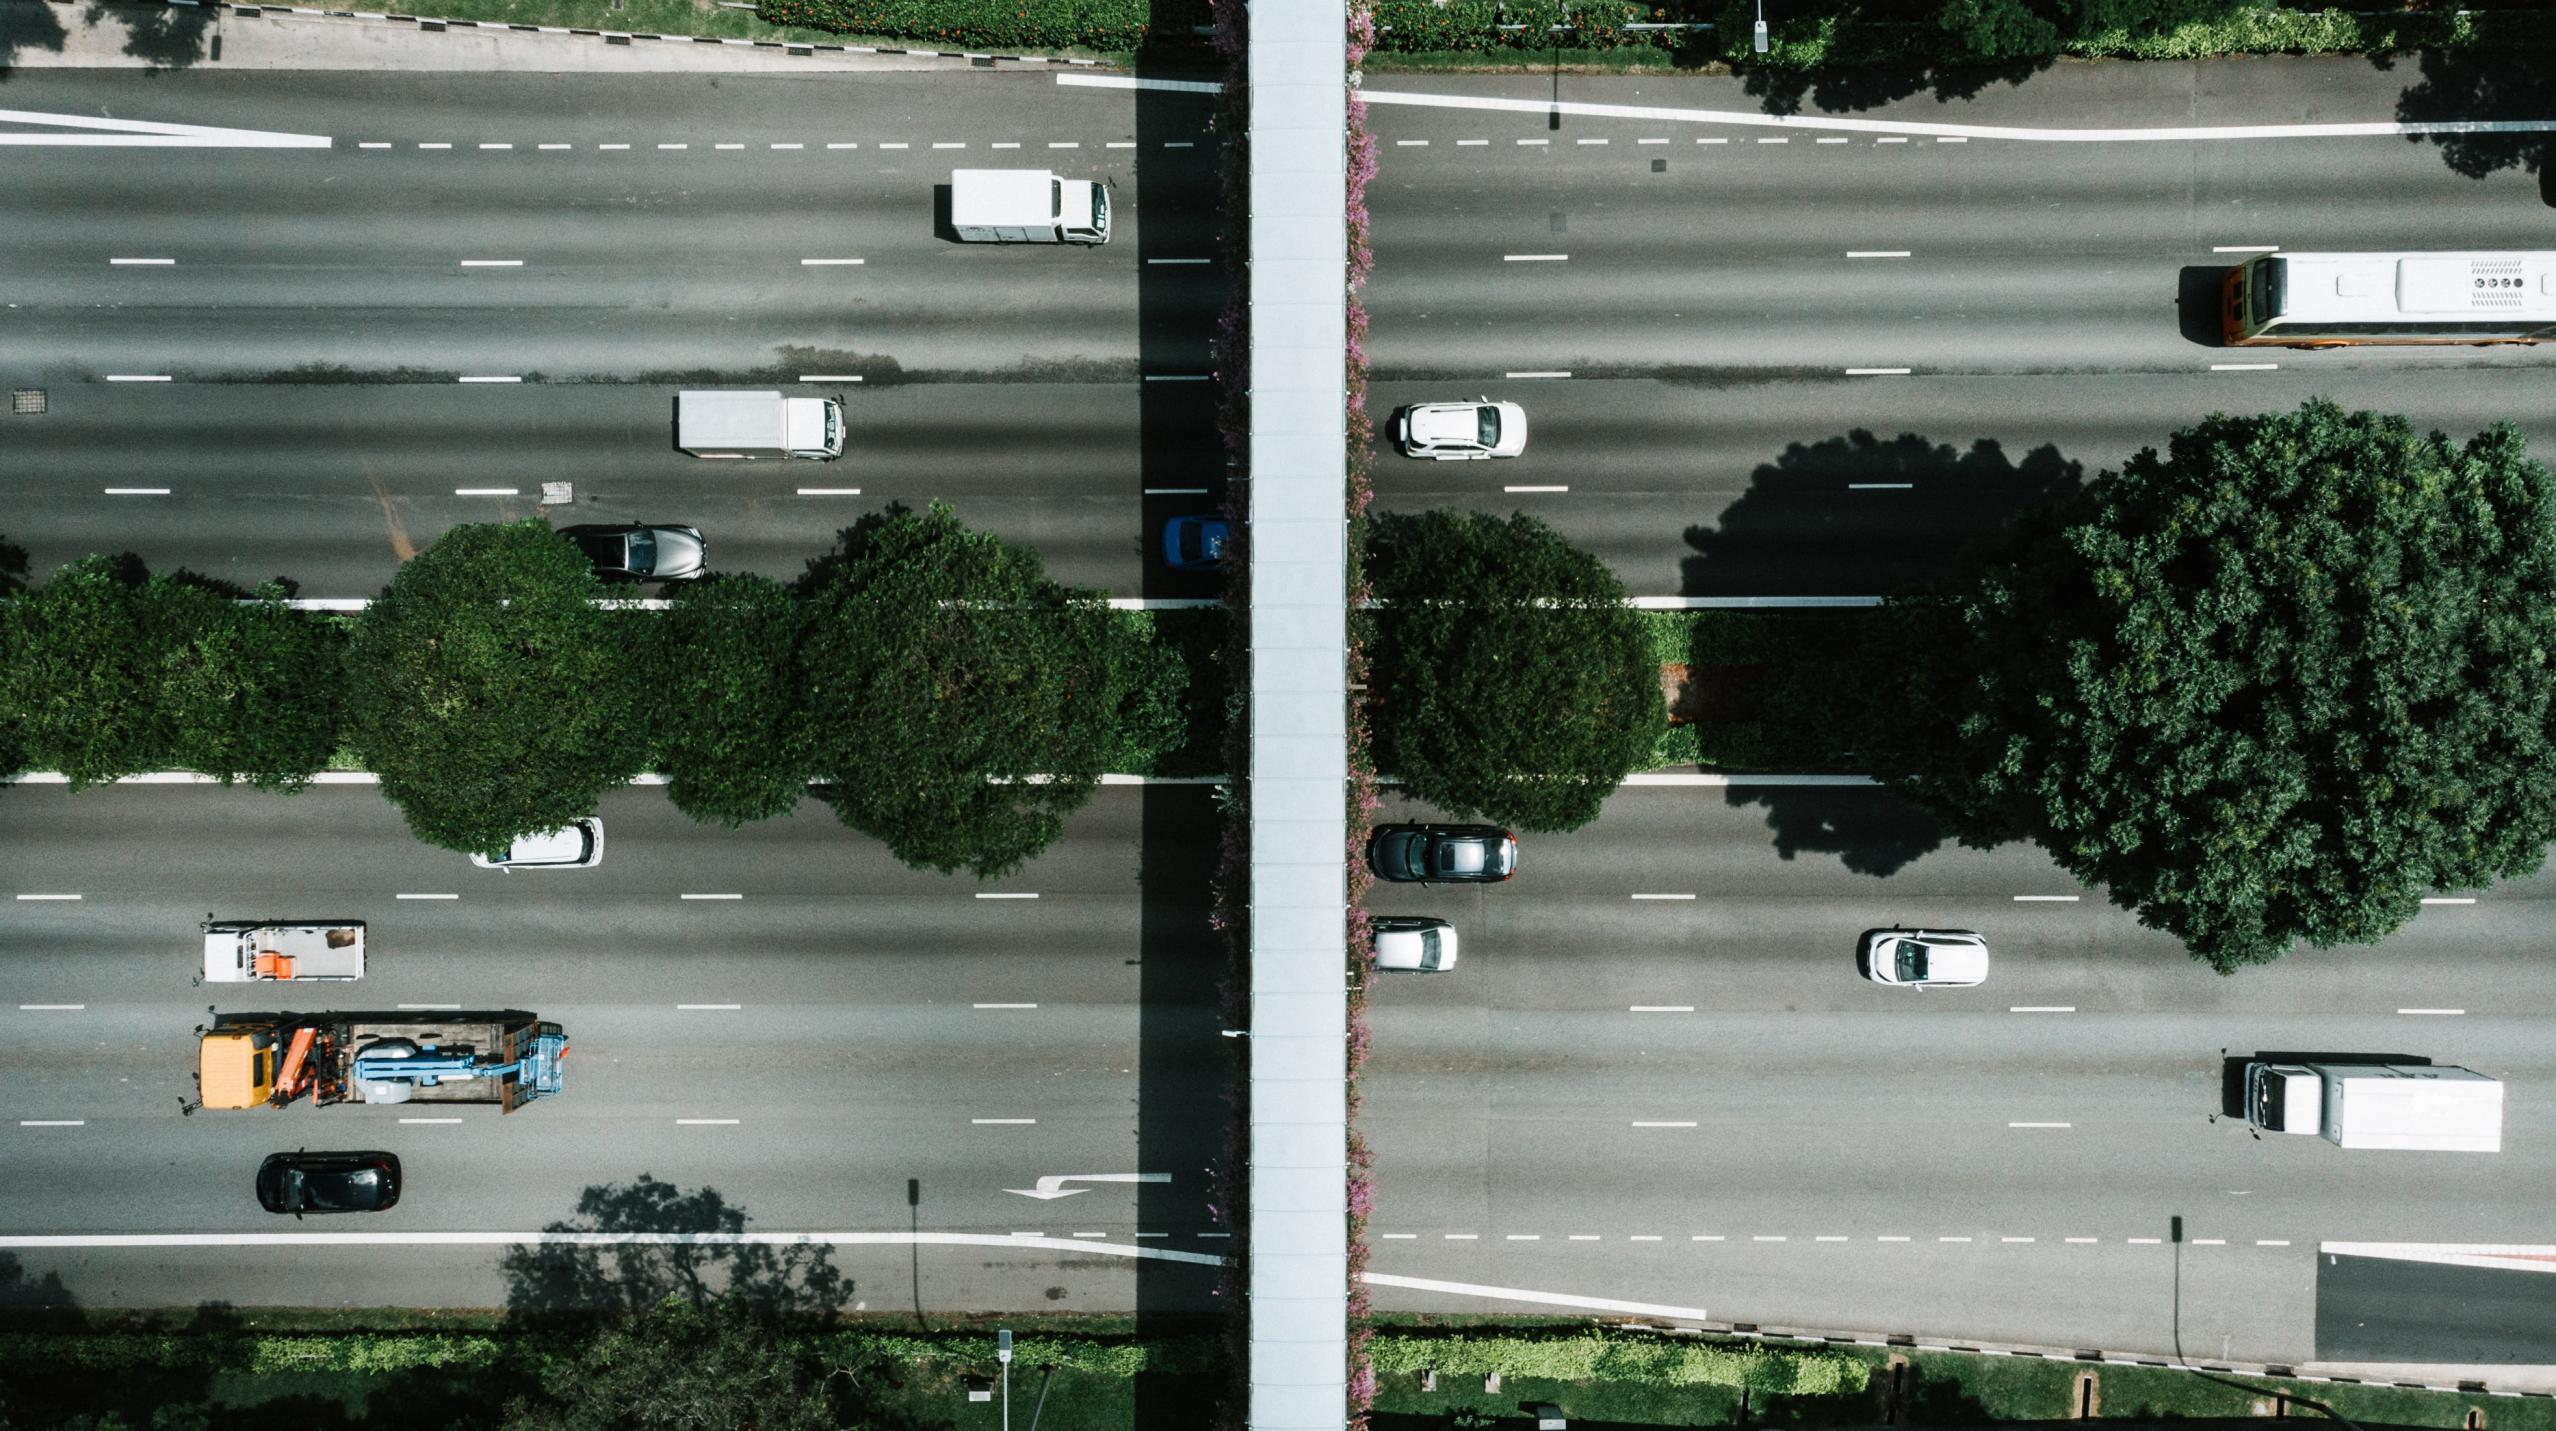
x: 765, y: 424
x: 2409, y: 1106
x: 1027, y: 206
x: 241, y: 951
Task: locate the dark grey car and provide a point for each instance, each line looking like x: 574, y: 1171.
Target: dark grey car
x: 1442, y: 854
x: 638, y: 551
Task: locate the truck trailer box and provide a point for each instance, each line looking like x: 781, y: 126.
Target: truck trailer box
x: 1027, y: 206
x: 2416, y: 1107
x: 758, y: 424
x: 242, y: 951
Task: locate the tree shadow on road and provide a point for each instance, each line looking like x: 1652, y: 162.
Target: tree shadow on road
x: 2459, y: 85
x: 567, y: 1279
x: 1859, y: 87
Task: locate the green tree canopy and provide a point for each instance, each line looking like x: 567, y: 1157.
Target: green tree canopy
x: 1511, y: 679
x: 108, y: 670
x: 685, y: 1367
x: 961, y: 703
x: 488, y: 692
x: 732, y: 729
x: 2273, y: 685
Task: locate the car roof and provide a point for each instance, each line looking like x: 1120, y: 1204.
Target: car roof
x: 1447, y: 422
x: 568, y: 842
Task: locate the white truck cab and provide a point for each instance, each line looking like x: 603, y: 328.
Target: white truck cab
x: 1027, y: 206
x: 2408, y: 1107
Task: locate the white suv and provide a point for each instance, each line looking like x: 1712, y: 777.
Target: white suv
x: 570, y: 847
x: 1461, y: 431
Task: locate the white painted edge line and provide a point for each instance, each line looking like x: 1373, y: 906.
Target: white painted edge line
x: 706, y: 1008
x: 1638, y: 1123
x: 425, y: 896
x: 2247, y: 248
x: 2449, y: 899
x: 1662, y: 1009
x: 1550, y: 373
x: 1659, y: 896
x: 829, y: 377
x: 1002, y: 894
x: 1880, y: 486
x: 492, y: 263
x: 53, y: 1122
x: 137, y: 377
x: 142, y: 262
x: 2041, y: 1125
x: 705, y: 1122
x: 134, y: 491
x: 32, y: 898
x: 2048, y: 898
x: 1131, y: 82
x: 829, y: 491
x: 2244, y: 367
x: 1175, y: 491
x: 1179, y: 261
x: 832, y: 262
x: 428, y: 1006
x: 1877, y: 253
x: 430, y: 1120
x: 1002, y: 1006
x: 483, y: 491
x: 710, y: 896
x: 490, y: 378
x: 2437, y: 1013
x: 1535, y: 258
x: 2041, y: 1008
x: 51, y: 1008
x: 1177, y: 377
x: 1535, y: 489
x: 1875, y: 372
x: 1002, y: 1122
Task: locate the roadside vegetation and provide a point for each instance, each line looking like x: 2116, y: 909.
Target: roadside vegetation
x: 944, y: 696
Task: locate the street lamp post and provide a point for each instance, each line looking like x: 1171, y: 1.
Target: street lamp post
x: 1760, y: 36
x: 1003, y: 1354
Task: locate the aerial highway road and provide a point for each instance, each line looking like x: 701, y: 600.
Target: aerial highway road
x: 1699, y: 314
x: 782, y: 1017
x: 1656, y: 1076
x: 296, y: 361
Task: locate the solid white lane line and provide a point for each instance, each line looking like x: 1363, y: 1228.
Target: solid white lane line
x: 985, y: 894
x: 710, y: 896
x: 2449, y: 1013
x: 1002, y: 1006
x: 2041, y: 1008
x: 1535, y: 489
x: 1535, y: 258
x: 492, y: 263
x: 53, y: 1122
x: 707, y: 1007
x: 829, y: 377
x: 832, y: 262
x: 1002, y: 1122
x: 430, y: 1120
x: 2449, y: 899
x: 51, y: 1008
x: 1660, y: 896
x: 429, y: 1006
x: 484, y: 491
x: 1880, y: 486
x: 143, y: 262
x: 490, y: 378
x: 2041, y: 1125
x: 425, y: 896
x: 1661, y: 1124
x: 829, y: 491
x: 1181, y: 261
x: 1874, y: 372
x: 1877, y: 253
x: 705, y: 1122
x: 2244, y: 367
x: 1550, y: 373
x: 2048, y: 898
x: 137, y: 377
x: 135, y: 491
x: 1662, y: 1009
x: 1175, y: 491
x: 2247, y: 248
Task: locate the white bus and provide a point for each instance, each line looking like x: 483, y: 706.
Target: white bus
x: 2331, y: 300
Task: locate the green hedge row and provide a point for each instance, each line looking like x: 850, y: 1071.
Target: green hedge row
x: 1002, y: 24
x: 1627, y: 1357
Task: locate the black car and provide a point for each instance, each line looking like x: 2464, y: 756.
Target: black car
x: 328, y: 1182
x: 637, y: 551
x: 1442, y: 854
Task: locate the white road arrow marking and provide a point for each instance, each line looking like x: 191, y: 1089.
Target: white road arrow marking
x: 1053, y: 1187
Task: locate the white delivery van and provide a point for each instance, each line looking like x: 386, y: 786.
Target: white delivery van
x: 2415, y: 1107
x: 239, y: 951
x: 1027, y: 206
x: 765, y: 424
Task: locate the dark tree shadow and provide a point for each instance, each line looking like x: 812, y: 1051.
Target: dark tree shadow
x: 1826, y: 518
x: 2460, y: 85
x: 1856, y: 87
x: 1872, y: 832
x: 13, y: 567
x: 34, y: 1301
x: 27, y: 27
x: 165, y: 37
x: 572, y: 1280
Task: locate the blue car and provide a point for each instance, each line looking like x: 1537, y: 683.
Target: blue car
x: 1196, y: 543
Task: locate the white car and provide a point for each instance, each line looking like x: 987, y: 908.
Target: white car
x: 570, y: 847
x: 1414, y: 943
x: 1924, y: 958
x: 1461, y: 431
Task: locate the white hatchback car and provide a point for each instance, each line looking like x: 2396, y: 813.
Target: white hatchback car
x: 577, y: 846
x: 1924, y: 958
x: 1461, y: 431
x: 1414, y: 943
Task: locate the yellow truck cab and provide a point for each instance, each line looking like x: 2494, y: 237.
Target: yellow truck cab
x: 235, y: 1068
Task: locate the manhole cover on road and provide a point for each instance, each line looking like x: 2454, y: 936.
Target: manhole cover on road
x: 27, y: 400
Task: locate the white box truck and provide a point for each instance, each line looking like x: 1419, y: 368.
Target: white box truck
x: 765, y: 424
x: 1027, y: 206
x: 240, y: 951
x: 2410, y: 1106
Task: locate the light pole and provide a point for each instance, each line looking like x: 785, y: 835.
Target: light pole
x: 1760, y: 37
x: 1003, y: 1354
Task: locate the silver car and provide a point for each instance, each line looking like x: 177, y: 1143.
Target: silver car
x: 1924, y: 958
x: 638, y: 551
x: 1461, y: 431
x: 570, y: 847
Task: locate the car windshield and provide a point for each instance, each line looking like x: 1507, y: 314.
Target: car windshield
x: 2265, y: 288
x: 643, y: 550
x: 1490, y: 424
x: 1100, y: 207
x: 1429, y: 958
x: 1909, y: 957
